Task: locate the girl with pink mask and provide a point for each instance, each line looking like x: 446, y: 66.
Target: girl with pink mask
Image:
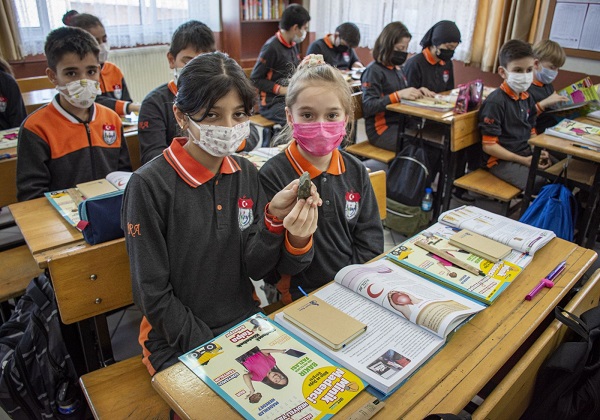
x: 349, y: 231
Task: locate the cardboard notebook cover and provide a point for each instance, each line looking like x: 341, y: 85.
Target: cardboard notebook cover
x: 326, y: 323
x: 480, y: 245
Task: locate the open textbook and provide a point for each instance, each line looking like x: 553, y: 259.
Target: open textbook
x: 431, y: 255
x: 519, y: 236
x: 9, y: 138
x: 265, y: 372
x: 578, y: 132
x: 67, y: 201
x: 408, y: 319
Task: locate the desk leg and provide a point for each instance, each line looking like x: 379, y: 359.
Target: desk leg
x: 592, y: 213
x: 95, y: 342
x: 449, y: 177
x: 530, y: 179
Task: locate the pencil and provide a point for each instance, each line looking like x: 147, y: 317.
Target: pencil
x: 447, y: 256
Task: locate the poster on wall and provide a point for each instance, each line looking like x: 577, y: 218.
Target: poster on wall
x: 575, y: 25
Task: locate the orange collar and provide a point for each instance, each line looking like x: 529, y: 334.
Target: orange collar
x: 189, y: 169
x: 283, y: 41
x: 431, y: 59
x: 511, y: 93
x: 172, y: 87
x: 300, y: 164
x: 328, y: 41
x: 537, y: 82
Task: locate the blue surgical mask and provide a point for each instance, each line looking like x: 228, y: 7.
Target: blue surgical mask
x: 545, y: 75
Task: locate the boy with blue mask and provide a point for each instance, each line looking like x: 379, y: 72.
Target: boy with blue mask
x: 549, y: 58
x: 507, y: 118
x: 72, y: 139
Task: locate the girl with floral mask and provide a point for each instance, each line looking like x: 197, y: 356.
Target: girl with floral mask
x: 114, y: 93
x: 319, y: 109
x: 383, y: 83
x: 549, y: 58
x: 197, y: 222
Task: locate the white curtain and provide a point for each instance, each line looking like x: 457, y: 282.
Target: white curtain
x: 418, y: 16
x: 128, y: 22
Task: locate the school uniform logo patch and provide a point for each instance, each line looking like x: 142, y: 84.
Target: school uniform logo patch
x: 3, y: 103
x: 118, y: 91
x: 245, y: 216
x: 352, y: 200
x: 346, y: 57
x: 109, y: 133
x: 446, y: 76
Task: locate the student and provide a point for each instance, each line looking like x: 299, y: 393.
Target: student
x: 112, y: 82
x: 549, y: 58
x: 507, y: 118
x: 384, y: 83
x: 337, y: 49
x: 12, y: 108
x: 277, y: 60
x: 197, y: 223
x: 156, y: 124
x: 72, y: 139
x: 432, y: 68
x: 318, y: 109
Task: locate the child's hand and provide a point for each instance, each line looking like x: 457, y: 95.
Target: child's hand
x: 410, y: 93
x: 553, y: 99
x: 301, y: 222
x: 544, y: 161
x: 285, y: 200
x: 426, y: 92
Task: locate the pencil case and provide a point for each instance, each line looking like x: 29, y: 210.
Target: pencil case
x: 100, y: 218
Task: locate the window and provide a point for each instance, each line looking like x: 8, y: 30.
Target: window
x: 128, y: 22
x: 417, y: 15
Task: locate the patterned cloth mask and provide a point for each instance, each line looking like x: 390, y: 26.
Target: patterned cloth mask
x: 80, y: 93
x: 220, y: 141
x: 319, y: 138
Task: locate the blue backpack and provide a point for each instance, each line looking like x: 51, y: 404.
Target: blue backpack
x: 555, y: 209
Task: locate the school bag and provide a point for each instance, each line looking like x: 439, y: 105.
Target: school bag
x: 407, y: 220
x: 568, y: 384
x: 38, y: 378
x: 555, y: 209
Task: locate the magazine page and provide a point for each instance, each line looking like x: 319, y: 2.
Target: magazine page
x: 517, y: 235
x: 388, y: 352
x: 66, y: 202
x: 576, y: 131
x: 119, y: 178
x: 431, y: 255
x: 264, y: 372
x: 408, y: 295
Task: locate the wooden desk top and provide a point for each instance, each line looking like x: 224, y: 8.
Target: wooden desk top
x: 444, y: 117
x: 45, y: 230
x: 455, y: 374
x: 558, y: 144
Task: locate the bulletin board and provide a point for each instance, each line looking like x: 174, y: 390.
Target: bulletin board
x: 575, y: 25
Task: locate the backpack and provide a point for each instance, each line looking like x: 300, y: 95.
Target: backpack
x: 568, y: 384
x: 38, y: 378
x: 410, y: 172
x: 407, y: 220
x: 555, y: 209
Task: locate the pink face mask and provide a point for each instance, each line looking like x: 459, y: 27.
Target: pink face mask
x: 319, y: 138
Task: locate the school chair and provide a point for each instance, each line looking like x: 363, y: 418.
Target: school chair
x: 8, y: 178
x: 36, y: 91
x: 485, y: 183
x: 260, y: 121
x: 364, y: 149
x: 28, y: 84
x: 377, y: 179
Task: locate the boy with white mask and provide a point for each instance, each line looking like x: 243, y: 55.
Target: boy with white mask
x: 549, y: 58
x: 72, y: 139
x: 507, y: 118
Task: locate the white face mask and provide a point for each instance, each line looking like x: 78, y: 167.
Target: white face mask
x: 104, y: 49
x: 219, y: 141
x: 519, y: 82
x: 299, y: 39
x: 80, y: 93
x: 545, y: 75
x: 176, y: 72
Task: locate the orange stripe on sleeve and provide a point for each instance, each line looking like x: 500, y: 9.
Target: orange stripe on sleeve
x: 489, y: 139
x: 297, y: 251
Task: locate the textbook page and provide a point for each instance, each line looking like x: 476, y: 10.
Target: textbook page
x: 517, y: 235
x: 387, y: 353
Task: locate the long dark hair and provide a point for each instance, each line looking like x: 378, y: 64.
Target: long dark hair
x: 272, y: 384
x: 392, y: 34
x: 207, y: 78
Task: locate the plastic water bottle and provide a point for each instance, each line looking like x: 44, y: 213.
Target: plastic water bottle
x: 427, y: 202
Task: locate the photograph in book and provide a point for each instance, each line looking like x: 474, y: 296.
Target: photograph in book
x: 408, y: 319
x: 265, y: 372
x: 431, y: 255
x: 519, y: 236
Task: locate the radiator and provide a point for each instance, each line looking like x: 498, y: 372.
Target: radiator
x: 144, y: 68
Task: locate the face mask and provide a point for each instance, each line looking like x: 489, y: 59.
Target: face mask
x: 176, y: 72
x: 299, y: 39
x: 80, y: 93
x: 519, y: 82
x: 104, y: 49
x: 398, y: 57
x: 545, y: 75
x: 319, y: 138
x: 220, y: 141
x: 444, y: 54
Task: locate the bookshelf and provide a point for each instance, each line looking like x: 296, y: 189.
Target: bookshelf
x: 247, y: 24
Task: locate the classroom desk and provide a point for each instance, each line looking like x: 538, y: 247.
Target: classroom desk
x: 454, y: 375
x: 36, y: 98
x: 60, y: 248
x: 462, y: 132
x: 591, y: 215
